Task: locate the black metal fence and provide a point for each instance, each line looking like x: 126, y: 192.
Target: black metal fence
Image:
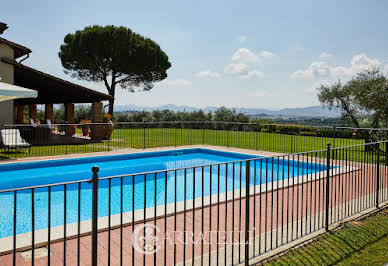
x: 219, y: 214
x: 47, y: 140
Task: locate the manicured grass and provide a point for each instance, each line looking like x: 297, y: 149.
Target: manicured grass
x: 240, y: 139
x: 161, y: 137
x: 263, y: 141
x: 362, y: 242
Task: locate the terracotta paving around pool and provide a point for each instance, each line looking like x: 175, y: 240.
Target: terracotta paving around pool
x: 276, y: 217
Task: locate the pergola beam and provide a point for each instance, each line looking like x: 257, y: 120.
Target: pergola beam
x: 52, y: 90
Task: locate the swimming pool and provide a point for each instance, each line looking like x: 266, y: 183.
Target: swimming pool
x: 187, y: 183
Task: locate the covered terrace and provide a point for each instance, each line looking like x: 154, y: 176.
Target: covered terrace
x: 52, y: 90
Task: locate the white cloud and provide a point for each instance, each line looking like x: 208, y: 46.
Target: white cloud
x: 242, y: 38
x: 253, y: 74
x: 208, y: 74
x: 363, y: 60
x: 243, y: 59
x: 385, y: 71
x: 317, y: 84
x: 320, y: 69
x: 300, y: 74
x: 316, y: 69
x: 266, y: 54
x: 235, y: 68
x: 325, y: 55
x: 360, y: 62
x: 176, y: 82
x: 341, y: 71
x: 245, y: 55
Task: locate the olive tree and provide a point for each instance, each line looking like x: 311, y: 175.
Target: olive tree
x: 363, y: 99
x: 115, y: 56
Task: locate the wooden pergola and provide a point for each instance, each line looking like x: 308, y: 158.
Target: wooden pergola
x: 52, y: 90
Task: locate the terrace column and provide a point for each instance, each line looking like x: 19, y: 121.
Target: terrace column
x: 15, y: 113
x: 98, y: 131
x: 49, y: 112
x: 69, y: 117
x: 19, y: 114
x: 32, y: 111
x: 97, y: 113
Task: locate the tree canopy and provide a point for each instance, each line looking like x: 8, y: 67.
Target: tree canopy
x: 115, y: 56
x: 363, y: 99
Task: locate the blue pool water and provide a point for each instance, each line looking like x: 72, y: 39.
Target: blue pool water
x: 221, y: 178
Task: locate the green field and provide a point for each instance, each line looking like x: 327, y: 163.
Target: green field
x: 163, y: 137
x: 363, y: 242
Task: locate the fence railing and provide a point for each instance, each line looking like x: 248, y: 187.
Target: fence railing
x: 47, y: 140
x: 218, y: 214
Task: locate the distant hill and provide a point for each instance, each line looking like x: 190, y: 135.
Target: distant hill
x: 312, y: 111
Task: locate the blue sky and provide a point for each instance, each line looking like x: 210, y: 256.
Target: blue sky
x: 264, y: 54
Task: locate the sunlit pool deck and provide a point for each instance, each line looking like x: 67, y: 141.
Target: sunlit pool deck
x: 286, y: 202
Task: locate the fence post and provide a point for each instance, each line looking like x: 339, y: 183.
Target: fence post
x: 247, y: 184
x: 144, y: 135
x: 378, y: 176
x: 257, y: 136
x: 227, y: 135
x: 327, y: 185
x: 181, y: 134
x: 175, y: 132
x: 95, y: 170
x: 203, y: 133
x: 386, y: 151
x: 65, y: 135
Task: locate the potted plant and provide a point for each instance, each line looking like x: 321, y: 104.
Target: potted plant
x: 61, y: 126
x: 356, y: 134
x: 108, y: 127
x: 108, y: 117
x: 85, y: 126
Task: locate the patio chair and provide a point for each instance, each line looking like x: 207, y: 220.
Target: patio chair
x: 32, y: 123
x: 11, y: 139
x: 49, y: 125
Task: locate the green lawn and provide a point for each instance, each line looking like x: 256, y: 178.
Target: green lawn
x: 161, y: 137
x: 362, y: 242
x: 240, y: 139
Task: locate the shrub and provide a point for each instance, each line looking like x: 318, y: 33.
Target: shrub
x: 307, y: 133
x: 334, y: 133
x: 288, y: 129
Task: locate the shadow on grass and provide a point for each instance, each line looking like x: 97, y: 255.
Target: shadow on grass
x: 337, y: 246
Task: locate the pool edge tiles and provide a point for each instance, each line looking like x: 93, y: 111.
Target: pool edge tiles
x: 73, y: 169
x: 115, y: 157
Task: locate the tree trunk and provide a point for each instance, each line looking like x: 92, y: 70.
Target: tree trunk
x: 368, y: 139
x: 111, y: 102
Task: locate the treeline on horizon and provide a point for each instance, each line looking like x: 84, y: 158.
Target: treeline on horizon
x: 222, y: 114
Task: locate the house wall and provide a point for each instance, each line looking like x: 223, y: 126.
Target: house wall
x: 7, y: 76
